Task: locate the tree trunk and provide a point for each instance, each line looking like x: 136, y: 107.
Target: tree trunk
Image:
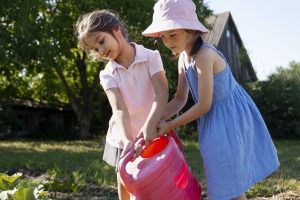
x: 82, y: 101
x: 84, y: 124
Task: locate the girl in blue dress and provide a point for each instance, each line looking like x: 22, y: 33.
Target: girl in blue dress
x: 235, y: 144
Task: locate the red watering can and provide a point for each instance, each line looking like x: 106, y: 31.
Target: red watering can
x: 160, y: 172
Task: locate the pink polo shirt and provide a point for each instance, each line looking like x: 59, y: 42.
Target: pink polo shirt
x: 135, y: 87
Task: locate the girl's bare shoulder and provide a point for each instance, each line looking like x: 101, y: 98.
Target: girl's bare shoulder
x: 205, y: 56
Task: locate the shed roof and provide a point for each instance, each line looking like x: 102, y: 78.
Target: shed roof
x: 216, y: 23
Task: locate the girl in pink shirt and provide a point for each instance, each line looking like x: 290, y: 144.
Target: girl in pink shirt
x: 134, y: 81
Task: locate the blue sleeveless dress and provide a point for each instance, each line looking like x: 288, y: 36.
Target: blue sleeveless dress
x: 235, y: 144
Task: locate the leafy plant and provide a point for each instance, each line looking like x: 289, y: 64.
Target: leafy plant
x: 279, y: 101
x: 16, y: 187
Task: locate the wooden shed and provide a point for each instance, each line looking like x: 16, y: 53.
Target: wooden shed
x: 225, y: 36
x: 34, y: 117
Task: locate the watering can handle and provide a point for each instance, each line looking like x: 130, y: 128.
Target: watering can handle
x: 129, y: 155
x: 176, y: 138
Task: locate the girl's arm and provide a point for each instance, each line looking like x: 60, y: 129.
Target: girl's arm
x: 160, y: 86
x: 180, y: 98
x: 204, y: 63
x: 121, y: 117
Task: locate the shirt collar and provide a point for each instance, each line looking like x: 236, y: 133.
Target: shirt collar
x: 140, y: 56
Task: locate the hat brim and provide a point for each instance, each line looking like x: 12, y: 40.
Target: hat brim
x: 155, y: 28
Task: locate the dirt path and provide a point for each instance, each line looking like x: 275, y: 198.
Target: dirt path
x: 92, y: 192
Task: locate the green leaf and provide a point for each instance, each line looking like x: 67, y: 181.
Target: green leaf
x: 9, y: 182
x: 26, y: 183
x: 25, y: 193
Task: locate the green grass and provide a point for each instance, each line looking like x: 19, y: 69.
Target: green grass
x: 63, y: 158
x: 85, y: 157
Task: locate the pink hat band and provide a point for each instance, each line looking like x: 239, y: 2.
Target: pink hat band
x: 174, y: 14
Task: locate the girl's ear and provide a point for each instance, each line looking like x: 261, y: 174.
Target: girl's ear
x: 117, y: 32
x: 116, y: 29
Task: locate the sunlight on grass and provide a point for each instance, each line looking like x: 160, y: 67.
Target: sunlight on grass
x: 60, y: 157
x: 85, y: 158
x: 44, y: 146
x: 273, y: 185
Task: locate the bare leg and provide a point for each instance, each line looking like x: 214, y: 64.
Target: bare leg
x: 242, y: 197
x: 123, y: 193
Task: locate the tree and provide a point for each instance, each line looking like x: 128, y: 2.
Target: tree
x: 39, y: 56
x: 279, y: 101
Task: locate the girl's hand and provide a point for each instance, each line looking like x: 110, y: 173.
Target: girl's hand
x: 137, y: 151
x: 149, y: 133
x: 164, y: 127
x: 127, y: 146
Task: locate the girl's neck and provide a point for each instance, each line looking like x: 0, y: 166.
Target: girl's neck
x: 127, y: 55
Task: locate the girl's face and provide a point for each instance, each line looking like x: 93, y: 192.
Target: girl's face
x: 103, y: 44
x: 176, y: 40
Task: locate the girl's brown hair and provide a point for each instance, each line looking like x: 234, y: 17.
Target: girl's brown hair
x: 98, y: 21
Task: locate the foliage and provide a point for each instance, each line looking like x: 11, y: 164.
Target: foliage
x: 279, y: 101
x: 70, y: 183
x: 39, y: 58
x: 18, y: 187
